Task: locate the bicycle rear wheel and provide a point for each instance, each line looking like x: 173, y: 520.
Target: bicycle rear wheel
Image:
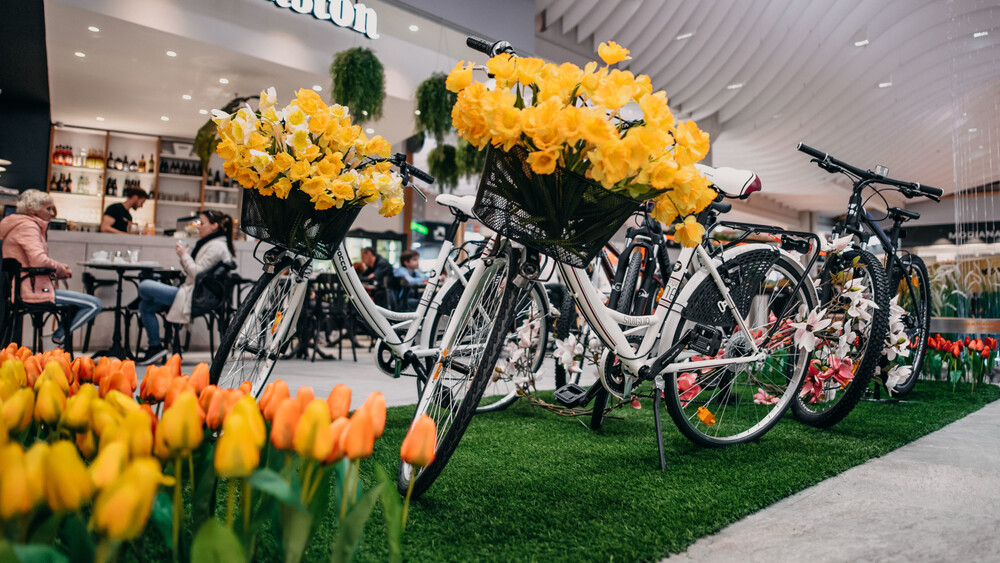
x: 740, y: 402
x: 461, y: 374
x: 847, y: 281
x: 259, y: 330
x: 915, y: 299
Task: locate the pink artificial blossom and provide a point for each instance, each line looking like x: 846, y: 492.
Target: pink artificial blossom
x: 762, y: 397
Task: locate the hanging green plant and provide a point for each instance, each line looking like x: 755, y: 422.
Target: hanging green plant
x: 208, y: 135
x: 358, y: 83
x: 443, y: 166
x: 434, y: 103
x: 470, y: 159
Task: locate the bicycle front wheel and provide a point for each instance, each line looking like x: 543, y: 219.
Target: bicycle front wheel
x: 740, y: 402
x: 915, y: 299
x: 460, y: 375
x: 259, y: 330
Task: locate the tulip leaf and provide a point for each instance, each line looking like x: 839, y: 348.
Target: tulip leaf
x: 351, y: 527
x: 78, y: 541
x: 46, y: 532
x: 162, y: 517
x: 296, y: 525
x: 216, y: 542
x: 7, y: 554
x: 340, y: 470
x: 270, y: 482
x: 35, y: 553
x: 205, y: 483
x: 320, y: 504
x: 392, y: 507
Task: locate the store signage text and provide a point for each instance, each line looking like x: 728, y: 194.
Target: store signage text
x: 343, y: 13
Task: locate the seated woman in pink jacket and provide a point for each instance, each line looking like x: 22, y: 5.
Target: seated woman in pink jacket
x: 24, y: 239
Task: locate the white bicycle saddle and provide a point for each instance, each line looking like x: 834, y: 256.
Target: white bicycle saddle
x: 462, y: 203
x: 730, y: 181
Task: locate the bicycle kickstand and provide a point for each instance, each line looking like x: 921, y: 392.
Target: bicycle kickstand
x: 658, y: 387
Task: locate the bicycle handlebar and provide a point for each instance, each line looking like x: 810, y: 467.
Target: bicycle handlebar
x: 406, y: 169
x: 831, y: 164
x: 491, y: 49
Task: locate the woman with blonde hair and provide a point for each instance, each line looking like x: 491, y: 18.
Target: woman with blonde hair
x: 24, y: 236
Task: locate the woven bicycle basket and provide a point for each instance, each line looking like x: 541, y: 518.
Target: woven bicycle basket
x: 561, y: 215
x: 294, y: 223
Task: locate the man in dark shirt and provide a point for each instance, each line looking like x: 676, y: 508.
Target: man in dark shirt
x: 376, y: 267
x: 117, y: 216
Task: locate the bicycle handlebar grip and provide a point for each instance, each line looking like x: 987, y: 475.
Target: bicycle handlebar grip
x: 481, y: 45
x: 812, y: 152
x: 936, y: 192
x: 420, y: 174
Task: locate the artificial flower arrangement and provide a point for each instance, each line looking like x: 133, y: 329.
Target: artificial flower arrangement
x: 311, y: 156
x: 86, y: 466
x: 562, y: 118
x: 972, y: 359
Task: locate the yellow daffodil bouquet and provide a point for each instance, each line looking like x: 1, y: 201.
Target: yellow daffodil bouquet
x: 554, y: 125
x: 307, y: 171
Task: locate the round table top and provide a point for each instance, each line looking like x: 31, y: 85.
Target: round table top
x: 120, y: 266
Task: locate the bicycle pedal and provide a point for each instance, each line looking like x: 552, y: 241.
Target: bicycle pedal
x: 706, y: 340
x: 571, y: 395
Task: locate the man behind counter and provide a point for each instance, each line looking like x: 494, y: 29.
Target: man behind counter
x: 117, y: 216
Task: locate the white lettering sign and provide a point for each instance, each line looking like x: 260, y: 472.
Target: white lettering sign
x: 342, y: 13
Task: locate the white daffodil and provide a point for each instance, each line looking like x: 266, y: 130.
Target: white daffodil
x: 805, y: 333
x: 260, y: 160
x: 267, y: 99
x: 220, y: 118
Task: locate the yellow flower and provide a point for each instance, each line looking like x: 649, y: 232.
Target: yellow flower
x: 569, y: 122
x: 391, y: 206
x: 616, y: 90
x: 137, y: 433
x: 15, y: 493
x: 300, y: 170
x: 34, y: 463
x: 544, y: 162
x: 283, y: 161
x: 55, y: 373
x: 248, y: 408
x: 309, y: 101
x: 50, y: 401
x: 611, y: 53
x: 68, y: 485
x: 459, y: 77
x: 661, y: 176
x: 108, y: 464
x: 596, y: 129
x: 86, y: 442
x: 122, y: 509
x: 318, y: 123
x: 268, y: 98
x: 12, y: 378
x: 692, y: 143
x: 296, y: 120
x: 247, y: 177
x: 689, y: 233
x: 313, y: 439
x: 502, y: 67
x: 237, y: 452
x: 104, y: 417
x: 299, y: 141
x: 18, y: 409
x: 76, y: 417
x: 506, y: 129
x: 529, y: 69
x: 181, y: 429
x: 282, y: 187
x: 378, y: 146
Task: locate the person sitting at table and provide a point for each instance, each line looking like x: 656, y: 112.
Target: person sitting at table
x: 24, y: 239
x: 411, y: 276
x: 118, y: 215
x: 215, y: 245
x: 377, y: 269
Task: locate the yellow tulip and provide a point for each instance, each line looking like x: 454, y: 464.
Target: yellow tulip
x: 121, y: 402
x: 18, y: 409
x: 689, y: 233
x: 247, y: 408
x: 68, y: 485
x: 108, y: 464
x: 122, y: 508
x: 34, y: 463
x: 420, y: 443
x: 12, y: 378
x: 313, y: 438
x: 50, y: 401
x: 86, y: 442
x: 53, y: 371
x: 181, y: 429
x: 137, y: 433
x: 76, y: 417
x: 236, y: 452
x: 611, y: 53
x: 15, y: 493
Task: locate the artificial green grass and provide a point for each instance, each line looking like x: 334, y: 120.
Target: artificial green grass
x: 527, y: 485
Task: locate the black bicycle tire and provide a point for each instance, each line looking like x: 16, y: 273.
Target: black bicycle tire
x: 920, y: 347
x: 672, y: 394
x: 449, y: 442
x: 873, y: 353
x: 236, y: 324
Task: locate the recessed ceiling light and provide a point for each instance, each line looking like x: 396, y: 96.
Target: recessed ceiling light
x: 364, y: 112
x: 80, y: 54
x: 416, y: 112
x: 94, y: 28
x: 186, y: 96
x: 99, y: 118
x: 223, y: 81
x: 884, y: 84
x: 369, y: 130
x: 980, y: 34
x: 317, y: 87
x: 861, y: 43
x: 2, y: 169
x: 414, y: 27
x: 171, y: 54
x: 684, y: 36
x: 736, y: 86
x: 973, y: 130
x: 203, y: 111
x: 164, y: 118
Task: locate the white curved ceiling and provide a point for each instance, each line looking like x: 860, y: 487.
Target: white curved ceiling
x: 803, y: 79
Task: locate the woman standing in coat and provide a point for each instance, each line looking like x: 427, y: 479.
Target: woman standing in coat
x: 215, y: 245
x: 24, y: 239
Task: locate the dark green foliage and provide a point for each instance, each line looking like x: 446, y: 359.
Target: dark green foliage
x: 470, y: 159
x: 434, y: 101
x: 358, y: 83
x: 443, y: 165
x: 208, y: 136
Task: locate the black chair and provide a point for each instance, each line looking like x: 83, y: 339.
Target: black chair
x: 211, y: 301
x: 91, y: 284
x: 393, y: 287
x: 14, y: 308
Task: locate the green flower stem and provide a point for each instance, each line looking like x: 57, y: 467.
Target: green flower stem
x: 178, y: 505
x: 347, y: 489
x: 245, y: 497
x: 230, y: 501
x: 307, y: 474
x: 103, y: 553
x: 318, y: 478
x: 409, y: 490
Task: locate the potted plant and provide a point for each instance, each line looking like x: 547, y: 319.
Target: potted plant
x: 358, y: 83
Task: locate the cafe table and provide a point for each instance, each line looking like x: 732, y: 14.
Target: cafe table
x: 119, y: 349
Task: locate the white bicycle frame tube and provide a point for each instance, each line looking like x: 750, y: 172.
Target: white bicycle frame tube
x: 606, y: 322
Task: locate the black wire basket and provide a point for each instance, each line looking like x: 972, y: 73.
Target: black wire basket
x: 562, y: 215
x: 295, y: 224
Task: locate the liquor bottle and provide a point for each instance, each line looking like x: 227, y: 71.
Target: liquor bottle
x: 53, y: 185
x: 142, y: 163
x: 107, y: 187
x: 111, y: 161
x: 218, y: 180
x: 132, y: 166
x: 119, y: 164
x: 150, y: 165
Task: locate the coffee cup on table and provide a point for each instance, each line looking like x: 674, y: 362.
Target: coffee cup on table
x: 101, y: 256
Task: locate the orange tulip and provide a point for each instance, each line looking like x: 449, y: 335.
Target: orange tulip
x: 156, y: 383
x: 272, y: 398
x: 375, y: 403
x: 222, y: 404
x: 173, y: 366
x: 32, y: 370
x: 128, y: 368
x: 83, y: 367
x: 178, y: 385
x: 205, y: 397
x: 246, y: 387
x: 313, y: 438
x: 286, y: 418
x: 358, y: 438
x: 101, y: 368
x: 199, y: 376
x: 8, y: 352
x: 337, y: 428
x: 117, y: 381
x: 64, y: 367
x: 420, y: 443
x: 339, y: 401
x: 305, y: 396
